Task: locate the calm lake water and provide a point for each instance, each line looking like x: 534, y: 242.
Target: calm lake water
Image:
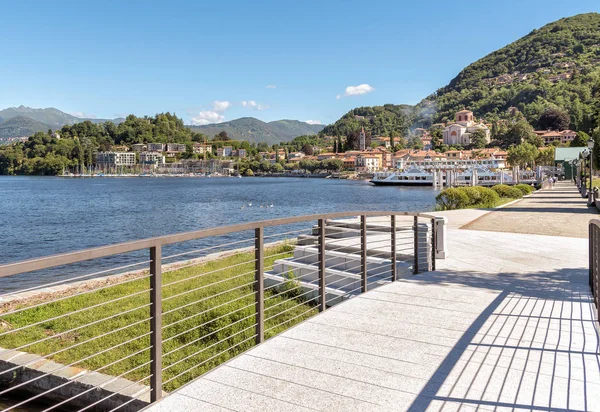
x: 47, y: 215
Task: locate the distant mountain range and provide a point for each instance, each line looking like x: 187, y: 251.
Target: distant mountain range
x: 24, y: 121
x: 254, y: 130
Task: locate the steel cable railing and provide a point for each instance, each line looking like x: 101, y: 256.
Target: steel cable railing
x: 159, y: 327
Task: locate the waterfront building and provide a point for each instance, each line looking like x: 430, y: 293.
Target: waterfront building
x: 139, y: 147
x: 115, y: 159
x: 155, y: 147
x: 368, y: 163
x: 459, y: 132
x: 152, y: 158
x: 201, y: 148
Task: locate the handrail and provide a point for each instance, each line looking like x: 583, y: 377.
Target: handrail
x: 51, y: 261
x: 263, y: 290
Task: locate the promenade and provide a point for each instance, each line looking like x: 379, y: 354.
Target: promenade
x: 505, y: 323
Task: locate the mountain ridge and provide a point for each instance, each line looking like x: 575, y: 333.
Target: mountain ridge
x: 255, y: 130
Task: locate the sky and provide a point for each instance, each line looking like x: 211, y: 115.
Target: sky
x: 213, y: 61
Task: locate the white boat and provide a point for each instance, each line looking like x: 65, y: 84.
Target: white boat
x: 413, y: 176
x: 416, y: 176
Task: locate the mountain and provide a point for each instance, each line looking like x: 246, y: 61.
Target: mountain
x: 378, y: 120
x: 51, y: 117
x: 20, y: 126
x: 255, y: 131
x: 557, y: 65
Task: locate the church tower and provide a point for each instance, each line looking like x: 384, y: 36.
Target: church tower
x: 362, y: 140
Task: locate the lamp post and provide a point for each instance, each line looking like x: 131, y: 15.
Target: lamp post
x: 583, y: 185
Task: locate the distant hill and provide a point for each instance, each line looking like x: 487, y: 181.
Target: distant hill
x: 20, y: 126
x: 379, y: 120
x: 556, y: 65
x: 24, y: 121
x: 254, y: 130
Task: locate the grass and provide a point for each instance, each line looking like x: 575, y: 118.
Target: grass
x: 222, y: 325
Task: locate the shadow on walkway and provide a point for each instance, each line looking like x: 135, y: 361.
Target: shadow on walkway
x: 535, y: 346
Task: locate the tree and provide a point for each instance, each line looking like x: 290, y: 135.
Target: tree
x: 353, y: 140
x: 545, y: 157
x: 478, y: 139
x: 554, y: 118
x: 436, y: 138
x: 581, y: 140
x: 222, y: 136
x: 522, y: 155
x: 516, y: 133
x: 415, y: 142
x: 307, y: 149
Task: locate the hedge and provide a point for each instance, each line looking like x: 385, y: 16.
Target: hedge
x: 508, y: 192
x: 526, y: 189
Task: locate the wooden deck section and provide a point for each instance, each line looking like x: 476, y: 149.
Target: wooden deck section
x: 506, y: 323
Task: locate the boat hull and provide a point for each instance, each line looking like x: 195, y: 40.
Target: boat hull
x: 400, y: 183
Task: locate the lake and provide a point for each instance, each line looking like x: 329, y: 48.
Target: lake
x: 48, y: 215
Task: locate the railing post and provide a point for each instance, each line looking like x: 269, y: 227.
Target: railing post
x: 322, y: 294
x: 155, y: 323
x: 416, y: 245
x: 591, y: 255
x: 393, y: 247
x: 433, y: 243
x: 363, y: 253
x: 259, y: 283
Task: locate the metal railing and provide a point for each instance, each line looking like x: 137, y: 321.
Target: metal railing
x: 594, y: 264
x: 117, y: 338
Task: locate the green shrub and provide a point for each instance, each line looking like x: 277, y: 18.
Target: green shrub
x: 525, y: 189
x: 508, y: 192
x: 473, y: 193
x: 487, y: 197
x: 451, y: 199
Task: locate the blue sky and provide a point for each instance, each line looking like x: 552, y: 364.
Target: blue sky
x: 217, y: 61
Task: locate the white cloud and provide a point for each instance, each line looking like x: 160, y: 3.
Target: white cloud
x: 251, y: 104
x: 221, y: 106
x: 212, y: 116
x: 313, y: 121
x: 356, y: 90
x: 207, y: 117
x: 271, y: 86
x: 82, y: 115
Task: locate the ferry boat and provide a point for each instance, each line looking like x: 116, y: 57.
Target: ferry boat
x: 416, y: 176
x: 413, y: 176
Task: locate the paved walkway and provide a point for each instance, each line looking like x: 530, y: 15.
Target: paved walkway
x: 505, y: 323
x: 557, y: 212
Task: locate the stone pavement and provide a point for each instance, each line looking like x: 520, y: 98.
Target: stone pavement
x: 505, y: 323
x: 557, y: 212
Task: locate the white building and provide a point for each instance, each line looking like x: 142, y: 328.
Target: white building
x: 152, y: 158
x: 368, y: 163
x: 459, y: 132
x: 115, y: 159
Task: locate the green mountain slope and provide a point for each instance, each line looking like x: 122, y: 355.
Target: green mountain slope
x: 20, y: 126
x: 50, y: 116
x: 556, y: 65
x: 255, y: 131
x: 379, y: 120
